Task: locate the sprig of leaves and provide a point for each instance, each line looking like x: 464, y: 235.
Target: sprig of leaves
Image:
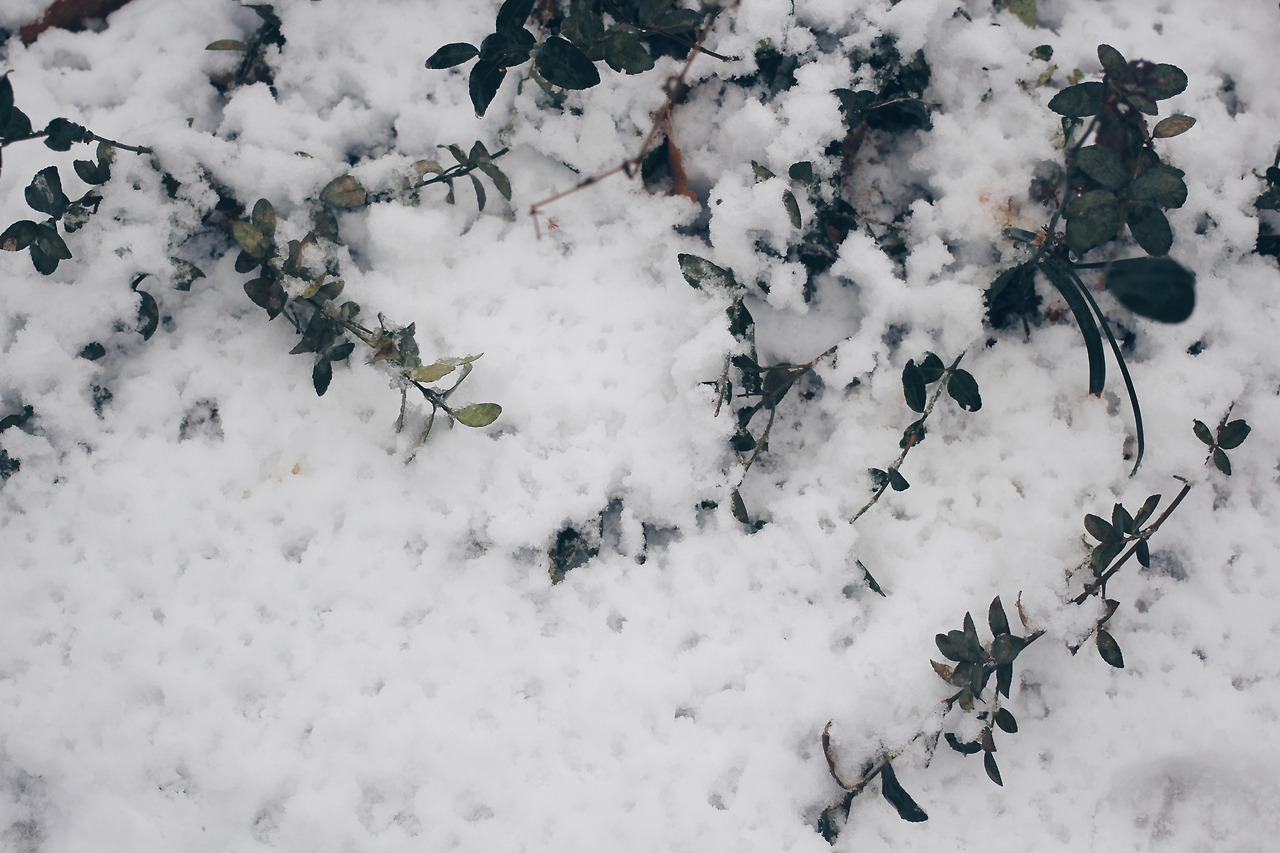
x: 253, y: 67
x: 1228, y: 436
x: 591, y: 32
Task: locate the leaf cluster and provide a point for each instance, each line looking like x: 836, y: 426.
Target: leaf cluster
x: 1269, y: 201
x: 1227, y: 436
x: 289, y: 283
x: 592, y: 31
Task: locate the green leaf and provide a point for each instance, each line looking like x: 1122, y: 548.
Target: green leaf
x: 1165, y: 81
x: 1103, y: 165
x: 148, y: 315
x: 1023, y: 10
x: 251, y: 240
x: 996, y: 618
x: 913, y: 435
x: 1006, y: 721
x: 1159, y: 288
x: 738, y: 507
x: 479, y: 188
x: 1143, y: 552
x: 96, y: 173
x: 1006, y: 647
x: 1110, y: 649
x: 1121, y: 521
x: 435, y: 371
x: 901, y: 801
x: 50, y: 243
x: 1162, y: 185
x: 1232, y: 435
x: 855, y: 105
x: 989, y: 763
x: 564, y: 65
x: 6, y: 94
x: 1004, y: 679
x: 913, y: 387
x: 1067, y: 283
x: 1148, y: 507
x: 962, y: 747
x: 931, y: 368
x: 513, y: 14
x: 1111, y: 59
x: 624, y: 53
x: 482, y: 85
x: 963, y: 388
x: 45, y: 194
x: 267, y: 294
x: 871, y: 582
x: 1080, y: 100
x: 322, y: 375
x: 1092, y: 219
x: 1172, y: 126
x: 264, y: 218
x: 702, y: 274
x: 1221, y: 462
x: 226, y: 44
x: 802, y: 172
x: 477, y: 414
x: 897, y: 482
x: 1202, y: 432
x: 1101, y: 556
x: 20, y: 234
x: 651, y: 11
x: 793, y: 208
x: 500, y: 181
x: 452, y: 54
x: 344, y: 192
x: 1150, y: 229
x: 679, y: 21
x: 62, y: 134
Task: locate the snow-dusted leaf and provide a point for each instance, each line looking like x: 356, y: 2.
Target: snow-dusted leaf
x: 477, y: 414
x: 344, y: 192
x: 1232, y: 435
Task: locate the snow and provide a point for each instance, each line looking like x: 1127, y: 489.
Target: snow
x: 236, y: 618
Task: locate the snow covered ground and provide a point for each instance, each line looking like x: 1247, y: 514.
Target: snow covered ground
x: 234, y: 618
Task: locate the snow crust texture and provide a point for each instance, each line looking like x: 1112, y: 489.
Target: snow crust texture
x: 234, y: 618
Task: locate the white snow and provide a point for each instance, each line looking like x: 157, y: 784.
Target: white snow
x: 234, y: 617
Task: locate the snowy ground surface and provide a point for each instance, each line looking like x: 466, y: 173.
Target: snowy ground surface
x: 234, y: 618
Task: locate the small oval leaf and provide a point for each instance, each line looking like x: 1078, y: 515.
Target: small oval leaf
x: 1172, y: 126
x: 1110, y: 649
x: 451, y: 55
x: 477, y: 414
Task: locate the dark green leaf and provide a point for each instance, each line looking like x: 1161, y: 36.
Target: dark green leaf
x: 931, y: 368
x: 1232, y: 435
x: 246, y: 262
x: 1150, y: 229
x: 1221, y: 462
x: 452, y: 54
x: 500, y: 181
x: 1162, y: 185
x: 93, y: 351
x: 1005, y: 648
x: 1172, y: 126
x: 1043, y: 52
x: 855, y: 105
x: 1110, y: 606
x: 1082, y: 99
x: 513, y: 14
x: 585, y: 27
x: 898, y: 482
x: 341, y: 351
x: 50, y: 242
x: 264, y: 218
x: 1099, y: 528
x: 913, y: 434
x: 962, y: 747
x: 1149, y: 506
x: 1067, y: 283
x: 14, y: 124
x: 62, y: 134
x: 1092, y: 219
x: 184, y: 273
x: 17, y: 419
x: 701, y: 273
x: 1202, y: 432
x: 45, y: 194
x: 1165, y: 81
x: 679, y: 21
x: 564, y: 65
x: 871, y: 582
x: 148, y: 315
x: 344, y: 192
x: 1004, y: 679
x: 802, y: 172
x: 91, y: 172
x: 1103, y: 165
x: 507, y: 50
x: 989, y: 762
x: 6, y: 94
x: 486, y: 77
x: 1101, y: 556
x: 739, y: 507
x: 322, y: 375
x: 793, y: 208
x: 1111, y: 59
x: 267, y: 294
x: 479, y: 188
x: 1143, y: 553
x: 1159, y: 288
x: 1110, y: 649
x: 996, y: 618
x: 913, y: 387
x: 963, y: 388
x: 20, y: 234
x: 901, y: 801
x: 651, y: 11
x: 624, y: 53
x: 324, y: 224
x: 952, y: 645
x: 226, y: 44
x: 1006, y: 721
x: 1121, y: 521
